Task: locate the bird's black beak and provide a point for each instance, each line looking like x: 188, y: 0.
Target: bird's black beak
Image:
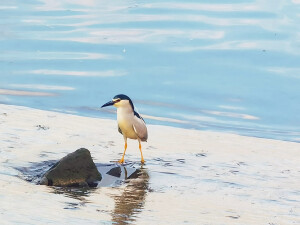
x: 108, y: 104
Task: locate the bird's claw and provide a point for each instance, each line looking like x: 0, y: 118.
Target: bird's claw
x: 121, y: 161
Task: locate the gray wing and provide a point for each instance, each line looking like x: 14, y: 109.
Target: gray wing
x: 139, y: 127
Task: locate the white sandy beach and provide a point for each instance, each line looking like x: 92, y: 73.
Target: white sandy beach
x: 195, y: 177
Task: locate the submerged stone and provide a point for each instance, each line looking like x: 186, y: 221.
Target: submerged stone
x: 76, y: 169
x: 116, y: 172
x: 135, y: 174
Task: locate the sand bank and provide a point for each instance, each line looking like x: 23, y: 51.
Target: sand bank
x: 191, y: 176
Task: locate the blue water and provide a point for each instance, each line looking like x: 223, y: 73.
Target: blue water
x: 230, y: 66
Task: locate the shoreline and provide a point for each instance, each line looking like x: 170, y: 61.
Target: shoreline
x: 225, y: 178
x: 166, y: 122
x: 160, y: 136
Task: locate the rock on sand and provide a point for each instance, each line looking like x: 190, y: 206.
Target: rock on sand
x: 75, y: 169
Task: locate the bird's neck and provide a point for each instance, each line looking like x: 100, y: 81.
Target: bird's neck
x: 127, y: 110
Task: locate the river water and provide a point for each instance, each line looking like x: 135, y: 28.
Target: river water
x: 232, y: 66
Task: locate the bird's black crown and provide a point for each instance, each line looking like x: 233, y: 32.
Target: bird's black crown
x: 122, y: 97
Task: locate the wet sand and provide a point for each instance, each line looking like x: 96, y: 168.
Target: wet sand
x: 190, y: 176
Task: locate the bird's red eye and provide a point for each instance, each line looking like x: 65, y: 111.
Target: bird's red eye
x: 117, y: 100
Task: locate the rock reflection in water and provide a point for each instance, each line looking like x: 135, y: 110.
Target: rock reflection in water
x: 128, y: 202
x: 132, y: 200
x: 80, y: 194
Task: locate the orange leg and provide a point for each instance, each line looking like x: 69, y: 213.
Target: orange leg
x: 122, y: 160
x: 140, y: 147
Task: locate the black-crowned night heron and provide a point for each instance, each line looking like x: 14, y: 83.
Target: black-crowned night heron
x: 130, y: 123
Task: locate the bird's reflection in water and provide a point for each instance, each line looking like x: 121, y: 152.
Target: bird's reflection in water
x: 127, y: 204
x: 132, y: 200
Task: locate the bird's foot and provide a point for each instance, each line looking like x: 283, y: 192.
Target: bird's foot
x: 142, y: 161
x: 121, y: 161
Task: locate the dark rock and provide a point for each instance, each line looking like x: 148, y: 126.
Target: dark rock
x: 116, y: 172
x: 135, y: 174
x: 76, y: 169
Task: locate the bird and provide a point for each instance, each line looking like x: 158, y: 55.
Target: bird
x: 130, y: 123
